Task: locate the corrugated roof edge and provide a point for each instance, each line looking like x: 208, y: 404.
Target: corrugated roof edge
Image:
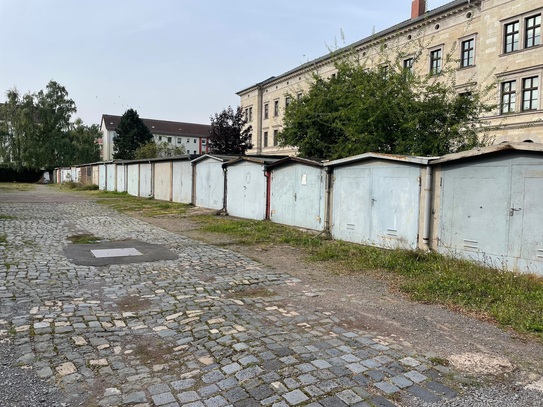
x: 218, y: 157
x: 292, y: 160
x: 399, y: 26
x: 262, y: 160
x: 378, y: 156
x: 530, y: 147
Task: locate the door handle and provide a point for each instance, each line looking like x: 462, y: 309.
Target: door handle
x: 513, y: 210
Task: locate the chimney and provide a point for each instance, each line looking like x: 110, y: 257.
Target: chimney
x: 418, y: 8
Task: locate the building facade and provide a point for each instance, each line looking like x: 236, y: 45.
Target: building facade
x: 494, y: 44
x: 193, y: 137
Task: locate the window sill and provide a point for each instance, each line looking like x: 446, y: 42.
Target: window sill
x: 516, y: 114
x: 463, y: 68
x: 504, y: 54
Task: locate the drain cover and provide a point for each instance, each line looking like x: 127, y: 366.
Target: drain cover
x: 116, y: 252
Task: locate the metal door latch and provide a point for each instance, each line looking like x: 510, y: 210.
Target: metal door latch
x: 513, y: 210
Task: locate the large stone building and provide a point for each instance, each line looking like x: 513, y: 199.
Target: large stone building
x: 488, y: 42
x: 193, y: 137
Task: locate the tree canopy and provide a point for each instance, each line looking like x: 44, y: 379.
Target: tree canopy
x: 36, y: 131
x: 386, y: 109
x: 229, y: 133
x: 132, y: 133
x: 159, y: 150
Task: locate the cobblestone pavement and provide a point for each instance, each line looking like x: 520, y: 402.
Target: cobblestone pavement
x: 203, y: 330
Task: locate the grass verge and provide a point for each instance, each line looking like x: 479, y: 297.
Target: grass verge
x: 16, y: 186
x: 123, y: 202
x: 509, y: 299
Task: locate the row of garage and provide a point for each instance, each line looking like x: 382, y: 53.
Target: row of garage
x: 484, y: 204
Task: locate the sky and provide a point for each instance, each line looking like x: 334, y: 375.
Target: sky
x: 178, y: 60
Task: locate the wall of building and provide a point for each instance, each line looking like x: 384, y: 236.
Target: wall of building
x: 480, y: 21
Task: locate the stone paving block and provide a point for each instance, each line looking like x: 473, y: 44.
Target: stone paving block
x: 188, y: 396
x: 423, y: 394
x: 213, y: 376
x: 248, y: 360
x: 380, y: 401
x: 163, y: 398
x: 158, y: 388
x: 321, y: 364
x: 236, y: 394
x: 208, y: 390
x: 332, y: 401
x: 136, y: 397
x: 387, y: 387
x: 295, y: 397
x: 349, y: 397
x: 248, y: 373
x: 401, y: 381
x: 217, y: 401
x: 440, y: 389
x: 183, y: 384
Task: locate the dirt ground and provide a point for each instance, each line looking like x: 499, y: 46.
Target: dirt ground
x: 369, y: 301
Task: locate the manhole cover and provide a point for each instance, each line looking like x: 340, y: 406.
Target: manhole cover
x: 116, y: 252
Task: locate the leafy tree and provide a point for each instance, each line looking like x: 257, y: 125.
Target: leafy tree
x: 36, y: 128
x: 156, y: 150
x: 387, y: 110
x: 84, y: 140
x: 229, y: 133
x: 132, y: 133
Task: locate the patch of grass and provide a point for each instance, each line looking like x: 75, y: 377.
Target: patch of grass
x: 150, y: 207
x: 78, y: 186
x: 438, y: 361
x: 252, y: 231
x: 7, y: 217
x: 85, y: 238
x: 3, y: 239
x: 510, y: 299
x: 16, y: 186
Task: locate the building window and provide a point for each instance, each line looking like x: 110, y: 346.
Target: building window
x: 468, y: 53
x: 287, y: 101
x: 188, y: 140
x: 512, y: 36
x: 408, y: 65
x: 169, y: 140
x: 194, y: 141
x: 204, y: 141
x: 266, y: 111
x: 179, y: 140
x: 533, y: 31
x: 159, y: 138
x: 276, y: 108
x: 435, y: 62
x: 275, y: 133
x: 250, y: 114
x: 265, y: 139
x: 508, y: 97
x: 530, y: 91
x: 299, y: 95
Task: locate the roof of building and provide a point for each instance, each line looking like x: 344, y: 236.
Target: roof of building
x: 395, y: 28
x: 295, y: 160
x: 378, y: 156
x: 261, y: 160
x: 494, y: 149
x: 162, y: 127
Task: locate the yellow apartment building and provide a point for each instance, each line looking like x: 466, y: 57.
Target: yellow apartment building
x: 486, y: 42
